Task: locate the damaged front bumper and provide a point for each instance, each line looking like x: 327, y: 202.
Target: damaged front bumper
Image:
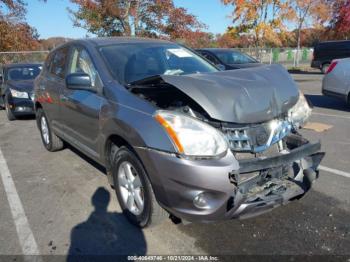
x: 231, y: 188
x: 278, y: 180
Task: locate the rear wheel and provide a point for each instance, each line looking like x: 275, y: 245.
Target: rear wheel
x: 51, y: 142
x: 325, y: 67
x: 134, y: 190
x: 9, y: 114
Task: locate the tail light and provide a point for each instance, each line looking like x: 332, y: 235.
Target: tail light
x: 331, y: 67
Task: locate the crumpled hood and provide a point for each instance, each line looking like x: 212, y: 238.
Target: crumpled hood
x: 244, y: 96
x: 22, y: 85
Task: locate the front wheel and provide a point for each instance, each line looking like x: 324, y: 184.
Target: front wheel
x: 134, y: 190
x: 51, y: 142
x: 9, y: 114
x: 2, y: 102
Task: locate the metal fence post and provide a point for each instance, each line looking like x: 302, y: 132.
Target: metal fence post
x: 294, y: 59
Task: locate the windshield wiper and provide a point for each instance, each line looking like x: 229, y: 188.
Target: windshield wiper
x: 149, y: 80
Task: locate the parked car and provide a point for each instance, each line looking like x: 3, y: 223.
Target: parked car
x: 228, y: 59
x: 336, y: 82
x: 16, y: 89
x: 177, y: 136
x: 325, y: 52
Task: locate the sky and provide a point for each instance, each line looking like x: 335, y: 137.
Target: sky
x: 52, y: 18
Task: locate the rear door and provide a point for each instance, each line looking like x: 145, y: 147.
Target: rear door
x: 81, y: 108
x: 50, y: 87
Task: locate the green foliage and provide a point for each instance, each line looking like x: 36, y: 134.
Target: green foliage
x: 275, y: 55
x: 304, y: 55
x: 289, y: 55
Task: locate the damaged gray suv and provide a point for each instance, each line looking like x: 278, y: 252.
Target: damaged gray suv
x: 178, y: 137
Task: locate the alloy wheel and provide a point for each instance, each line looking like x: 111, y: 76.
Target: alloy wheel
x: 131, y: 188
x: 45, y: 130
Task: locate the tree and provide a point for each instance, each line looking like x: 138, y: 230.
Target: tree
x: 13, y: 10
x: 263, y: 19
x: 18, y: 37
x: 340, y: 24
x: 196, y: 39
x: 227, y: 40
x: 134, y: 17
x: 312, y: 11
x: 15, y: 33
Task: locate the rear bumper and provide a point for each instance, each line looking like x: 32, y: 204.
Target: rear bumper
x: 316, y: 64
x: 232, y: 191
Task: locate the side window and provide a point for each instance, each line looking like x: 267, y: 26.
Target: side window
x: 58, y: 62
x: 211, y: 58
x: 81, y: 62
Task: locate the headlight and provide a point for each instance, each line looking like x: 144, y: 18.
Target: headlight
x: 192, y: 137
x: 300, y: 113
x: 19, y: 94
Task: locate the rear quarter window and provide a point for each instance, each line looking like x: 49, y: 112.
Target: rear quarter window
x: 58, y: 62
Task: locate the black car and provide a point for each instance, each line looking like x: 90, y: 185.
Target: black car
x: 16, y: 89
x: 325, y: 52
x: 228, y: 59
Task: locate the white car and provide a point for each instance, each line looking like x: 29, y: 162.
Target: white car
x: 336, y: 82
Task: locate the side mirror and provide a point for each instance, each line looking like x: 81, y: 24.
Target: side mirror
x: 79, y: 81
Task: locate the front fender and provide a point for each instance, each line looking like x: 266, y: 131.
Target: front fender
x: 138, y: 128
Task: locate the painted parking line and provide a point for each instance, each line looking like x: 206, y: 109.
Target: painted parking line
x: 24, y: 233
x: 334, y: 171
x: 331, y: 115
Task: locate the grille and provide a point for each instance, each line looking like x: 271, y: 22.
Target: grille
x: 257, y: 138
x: 239, y: 139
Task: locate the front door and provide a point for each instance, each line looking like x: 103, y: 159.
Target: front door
x: 81, y: 108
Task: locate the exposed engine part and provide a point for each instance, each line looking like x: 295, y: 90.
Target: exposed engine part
x: 165, y: 96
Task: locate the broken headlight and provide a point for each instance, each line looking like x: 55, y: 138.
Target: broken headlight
x: 300, y: 113
x: 190, y: 136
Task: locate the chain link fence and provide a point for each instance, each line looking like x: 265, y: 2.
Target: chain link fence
x: 23, y: 57
x: 285, y: 56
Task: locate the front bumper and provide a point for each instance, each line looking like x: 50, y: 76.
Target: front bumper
x: 232, y: 189
x: 21, y: 106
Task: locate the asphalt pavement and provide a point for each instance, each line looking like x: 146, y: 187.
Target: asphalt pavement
x: 66, y: 206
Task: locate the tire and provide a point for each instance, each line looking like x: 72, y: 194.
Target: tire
x: 50, y: 141
x: 9, y: 114
x: 148, y: 214
x: 2, y: 102
x: 325, y: 68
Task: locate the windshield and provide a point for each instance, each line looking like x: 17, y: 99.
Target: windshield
x: 132, y: 62
x: 234, y: 57
x: 23, y: 72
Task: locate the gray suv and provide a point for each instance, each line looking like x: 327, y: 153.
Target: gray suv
x: 178, y: 137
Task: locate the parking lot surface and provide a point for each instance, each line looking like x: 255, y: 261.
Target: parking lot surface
x: 66, y: 206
